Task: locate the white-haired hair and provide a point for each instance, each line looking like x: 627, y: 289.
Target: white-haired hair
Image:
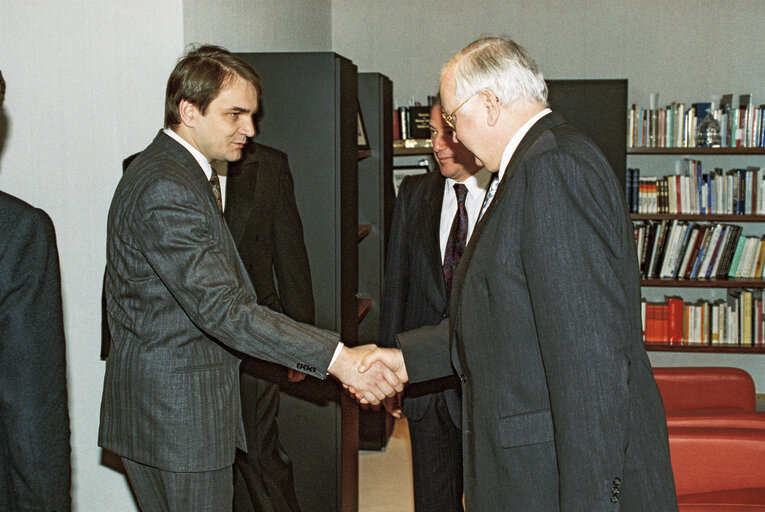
x: 499, y: 64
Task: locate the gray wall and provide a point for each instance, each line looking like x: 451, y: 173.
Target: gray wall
x: 86, y: 82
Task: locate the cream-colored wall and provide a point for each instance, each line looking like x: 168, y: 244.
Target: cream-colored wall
x: 260, y: 26
x: 683, y: 49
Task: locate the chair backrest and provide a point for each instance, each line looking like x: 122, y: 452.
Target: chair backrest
x: 705, y: 388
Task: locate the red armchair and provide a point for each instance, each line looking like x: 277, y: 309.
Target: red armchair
x: 709, y: 397
x: 718, y: 469
x: 716, y: 438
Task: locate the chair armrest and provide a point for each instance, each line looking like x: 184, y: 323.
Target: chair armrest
x: 716, y: 459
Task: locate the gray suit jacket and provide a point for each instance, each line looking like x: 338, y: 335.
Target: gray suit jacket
x: 179, y: 305
x: 414, y: 292
x: 34, y: 419
x: 560, y: 409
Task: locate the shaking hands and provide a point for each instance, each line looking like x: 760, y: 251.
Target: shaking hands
x: 370, y: 373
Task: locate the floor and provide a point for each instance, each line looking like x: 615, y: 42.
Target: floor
x: 385, y: 477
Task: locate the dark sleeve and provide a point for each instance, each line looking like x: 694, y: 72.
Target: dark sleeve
x: 293, y: 272
x: 572, y: 251
x: 33, y: 406
x: 427, y: 352
x: 396, y: 282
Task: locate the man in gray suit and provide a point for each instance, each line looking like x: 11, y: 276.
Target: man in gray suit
x: 416, y: 293
x: 560, y: 408
x: 180, y: 304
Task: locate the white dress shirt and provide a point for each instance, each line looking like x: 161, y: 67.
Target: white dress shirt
x: 476, y: 186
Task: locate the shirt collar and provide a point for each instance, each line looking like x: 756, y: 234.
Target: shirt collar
x: 476, y: 184
x: 516, y: 139
x: 198, y: 156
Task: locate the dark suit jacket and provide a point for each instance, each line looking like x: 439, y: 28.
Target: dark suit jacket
x: 34, y: 419
x: 265, y: 223
x: 178, y: 302
x: 560, y: 408
x: 414, y: 292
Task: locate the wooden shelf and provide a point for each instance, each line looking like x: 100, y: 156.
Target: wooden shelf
x: 715, y: 218
x: 727, y: 349
x: 364, y: 230
x: 364, y: 306
x: 704, y: 283
x: 696, y: 151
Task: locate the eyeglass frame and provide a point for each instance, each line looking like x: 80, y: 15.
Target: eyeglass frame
x: 449, y: 118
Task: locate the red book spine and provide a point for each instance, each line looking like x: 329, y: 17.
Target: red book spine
x: 675, y: 320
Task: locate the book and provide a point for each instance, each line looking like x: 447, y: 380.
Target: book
x: 736, y: 257
x: 675, y: 312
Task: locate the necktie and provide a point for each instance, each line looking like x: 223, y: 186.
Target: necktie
x: 215, y: 184
x: 490, y: 190
x: 457, y: 236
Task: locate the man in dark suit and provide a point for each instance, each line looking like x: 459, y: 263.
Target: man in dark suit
x: 560, y: 408
x: 179, y: 301
x: 415, y: 294
x: 261, y: 212
x: 35, y: 472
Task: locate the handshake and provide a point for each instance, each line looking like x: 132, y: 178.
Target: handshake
x: 370, y: 373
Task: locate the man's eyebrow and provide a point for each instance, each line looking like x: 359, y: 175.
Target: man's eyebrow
x: 239, y: 109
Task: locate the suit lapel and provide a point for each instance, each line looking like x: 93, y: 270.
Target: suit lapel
x: 434, y: 194
x: 527, y: 143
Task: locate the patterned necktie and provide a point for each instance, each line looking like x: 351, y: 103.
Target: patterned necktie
x: 215, y: 184
x: 457, y: 236
x: 490, y: 190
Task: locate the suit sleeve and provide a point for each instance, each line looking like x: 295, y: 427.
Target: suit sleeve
x: 573, y: 246
x: 34, y: 418
x: 293, y: 272
x: 175, y: 225
x: 397, y: 271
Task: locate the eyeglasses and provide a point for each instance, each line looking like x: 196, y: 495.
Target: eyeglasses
x: 449, y: 118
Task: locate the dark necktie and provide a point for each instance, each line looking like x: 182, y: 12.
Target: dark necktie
x: 457, y: 236
x: 215, y: 184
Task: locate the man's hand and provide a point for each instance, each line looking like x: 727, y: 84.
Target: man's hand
x: 392, y: 358
x: 374, y: 384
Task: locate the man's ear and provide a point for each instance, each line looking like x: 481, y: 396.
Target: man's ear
x: 490, y: 103
x: 188, y: 112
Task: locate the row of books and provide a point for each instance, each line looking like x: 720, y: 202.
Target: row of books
x: 739, y: 124
x: 732, y: 192
x: 738, y: 320
x: 682, y: 250
x: 412, y: 122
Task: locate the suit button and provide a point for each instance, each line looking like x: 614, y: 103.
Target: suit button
x: 463, y: 379
x: 444, y: 315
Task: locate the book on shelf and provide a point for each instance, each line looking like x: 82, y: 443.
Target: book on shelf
x: 411, y: 122
x: 694, y: 192
x: 697, y: 251
x: 675, y: 125
x: 737, y: 320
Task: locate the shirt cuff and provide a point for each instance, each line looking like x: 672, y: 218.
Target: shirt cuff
x: 336, y: 355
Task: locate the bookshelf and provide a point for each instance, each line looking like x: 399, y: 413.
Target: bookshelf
x: 654, y: 161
